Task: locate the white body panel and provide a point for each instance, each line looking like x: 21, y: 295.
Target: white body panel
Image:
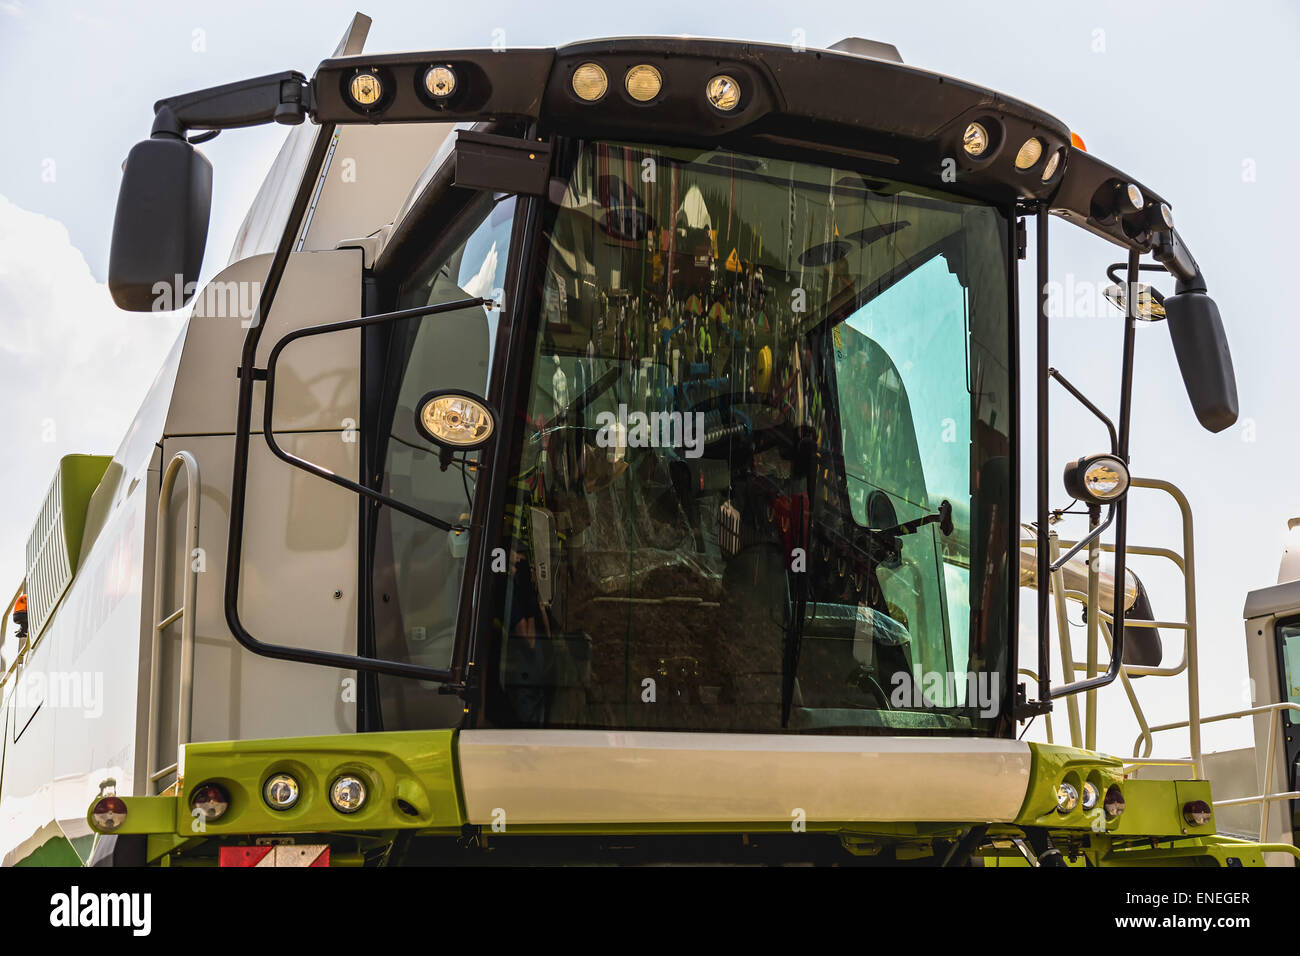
x: 71, y: 716
x: 579, y: 777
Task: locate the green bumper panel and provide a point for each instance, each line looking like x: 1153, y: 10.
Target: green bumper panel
x: 1152, y: 808
x: 410, y: 781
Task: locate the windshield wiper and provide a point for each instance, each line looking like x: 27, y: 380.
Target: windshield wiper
x: 943, y: 517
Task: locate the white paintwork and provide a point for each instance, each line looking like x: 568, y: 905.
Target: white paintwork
x: 368, y: 178
x: 265, y: 221
x: 1289, y: 567
x: 1262, y: 666
x: 581, y: 777
x: 73, y: 707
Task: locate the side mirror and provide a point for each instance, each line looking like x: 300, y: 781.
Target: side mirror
x: 161, y: 226
x: 1203, y: 358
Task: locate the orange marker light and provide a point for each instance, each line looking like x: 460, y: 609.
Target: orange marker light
x: 1077, y: 141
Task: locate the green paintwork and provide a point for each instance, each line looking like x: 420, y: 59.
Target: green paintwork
x: 56, y: 851
x: 1050, y: 765
x: 54, y: 547
x: 79, y: 476
x: 419, y: 768
x: 1153, y: 808
x: 414, y: 766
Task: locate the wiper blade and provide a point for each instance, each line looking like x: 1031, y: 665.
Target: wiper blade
x: 943, y: 517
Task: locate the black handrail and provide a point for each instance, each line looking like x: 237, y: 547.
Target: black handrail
x: 314, y: 469
x: 239, y: 480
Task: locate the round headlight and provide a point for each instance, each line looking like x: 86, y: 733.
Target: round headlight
x: 723, y: 92
x: 643, y: 82
x: 211, y: 800
x: 975, y: 140
x: 348, y: 793
x: 1099, y: 479
x: 1029, y: 153
x: 1091, y: 794
x: 1106, y: 478
x: 1053, y: 161
x: 455, y: 420
x: 1128, y: 198
x: 440, y: 81
x: 280, y: 791
x: 365, y: 89
x: 590, y: 82
x: 108, y: 813
x: 1067, y: 796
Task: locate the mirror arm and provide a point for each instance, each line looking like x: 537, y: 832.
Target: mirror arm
x: 1170, y: 251
x: 279, y: 97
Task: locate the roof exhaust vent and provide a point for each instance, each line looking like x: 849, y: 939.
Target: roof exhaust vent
x: 872, y: 48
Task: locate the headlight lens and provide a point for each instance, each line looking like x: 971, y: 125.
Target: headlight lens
x: 1052, y: 162
x: 348, y: 793
x: 643, y: 82
x: 440, y: 81
x: 590, y: 82
x: 723, y: 92
x: 1091, y: 794
x: 1029, y: 153
x: 1150, y: 303
x: 1106, y: 478
x: 455, y: 420
x: 366, y: 89
x: 280, y: 791
x: 975, y: 140
x: 1099, y: 479
x: 1067, y: 796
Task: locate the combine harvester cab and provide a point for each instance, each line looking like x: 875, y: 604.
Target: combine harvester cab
x: 605, y: 452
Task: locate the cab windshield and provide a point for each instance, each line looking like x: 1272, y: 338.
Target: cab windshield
x: 761, y: 477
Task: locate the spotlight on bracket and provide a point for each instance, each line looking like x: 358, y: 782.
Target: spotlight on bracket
x: 1150, y: 302
x: 1097, y: 479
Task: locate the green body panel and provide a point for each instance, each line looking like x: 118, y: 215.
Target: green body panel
x: 419, y: 768
x: 416, y: 767
x: 56, y: 851
x: 1153, y: 808
x: 1052, y: 764
x: 1189, y: 853
x: 79, y: 476
x: 54, y: 546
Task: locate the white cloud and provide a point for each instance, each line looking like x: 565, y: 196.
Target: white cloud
x: 73, y: 367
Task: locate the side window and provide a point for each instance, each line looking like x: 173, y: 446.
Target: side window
x: 1288, y: 637
x: 901, y: 372
x: 418, y: 568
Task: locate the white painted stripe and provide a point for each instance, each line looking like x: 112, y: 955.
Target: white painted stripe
x: 581, y: 776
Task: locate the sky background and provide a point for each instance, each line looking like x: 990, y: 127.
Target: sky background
x: 1187, y: 97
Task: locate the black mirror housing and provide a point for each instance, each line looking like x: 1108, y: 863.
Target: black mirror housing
x: 1203, y: 358
x: 161, y: 226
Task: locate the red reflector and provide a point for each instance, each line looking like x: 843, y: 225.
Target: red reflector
x: 108, y: 813
x: 284, y: 855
